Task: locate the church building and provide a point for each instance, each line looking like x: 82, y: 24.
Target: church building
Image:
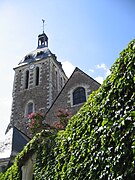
x: 40, y: 83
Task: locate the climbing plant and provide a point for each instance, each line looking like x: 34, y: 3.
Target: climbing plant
x: 99, y: 141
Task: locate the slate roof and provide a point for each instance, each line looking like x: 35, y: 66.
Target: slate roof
x: 36, y: 55
x: 19, y: 140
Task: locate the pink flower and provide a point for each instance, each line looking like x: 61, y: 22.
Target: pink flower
x: 32, y: 115
x: 57, y: 125
x: 33, y: 121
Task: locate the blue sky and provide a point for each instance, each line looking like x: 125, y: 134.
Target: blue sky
x: 88, y: 34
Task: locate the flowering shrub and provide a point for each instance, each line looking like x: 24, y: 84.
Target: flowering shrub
x: 63, y: 115
x: 36, y: 122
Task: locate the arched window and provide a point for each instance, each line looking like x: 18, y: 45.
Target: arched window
x: 79, y: 95
x: 30, y: 108
x: 27, y: 79
x: 37, y: 76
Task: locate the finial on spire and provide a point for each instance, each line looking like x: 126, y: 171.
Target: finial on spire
x: 42, y: 38
x: 43, y: 24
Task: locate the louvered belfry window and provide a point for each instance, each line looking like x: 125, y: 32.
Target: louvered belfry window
x: 37, y: 76
x: 27, y: 80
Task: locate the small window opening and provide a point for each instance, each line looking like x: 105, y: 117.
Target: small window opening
x: 40, y: 53
x: 28, y: 57
x: 30, y: 108
x: 79, y: 96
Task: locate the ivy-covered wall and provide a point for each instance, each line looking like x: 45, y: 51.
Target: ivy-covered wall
x: 99, y: 141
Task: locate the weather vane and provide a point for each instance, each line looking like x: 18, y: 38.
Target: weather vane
x: 43, y: 24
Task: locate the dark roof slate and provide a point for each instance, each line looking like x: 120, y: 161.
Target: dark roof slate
x: 19, y: 140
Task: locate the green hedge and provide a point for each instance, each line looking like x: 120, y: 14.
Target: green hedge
x: 99, y: 141
x: 43, y: 140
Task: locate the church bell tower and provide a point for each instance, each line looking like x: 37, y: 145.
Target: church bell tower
x: 38, y: 79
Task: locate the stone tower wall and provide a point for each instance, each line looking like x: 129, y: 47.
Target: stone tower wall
x: 41, y: 95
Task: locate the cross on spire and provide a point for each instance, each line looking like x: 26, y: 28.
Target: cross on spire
x: 43, y: 24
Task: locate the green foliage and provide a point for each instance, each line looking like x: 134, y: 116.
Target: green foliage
x: 12, y: 173
x: 99, y: 141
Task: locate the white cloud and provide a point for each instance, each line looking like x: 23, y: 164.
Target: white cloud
x: 68, y: 68
x: 6, y: 145
x: 100, y: 72
x: 91, y: 70
x: 104, y: 67
x: 5, y: 101
x: 108, y: 72
x: 101, y: 66
x: 99, y: 79
x: 5, y: 112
